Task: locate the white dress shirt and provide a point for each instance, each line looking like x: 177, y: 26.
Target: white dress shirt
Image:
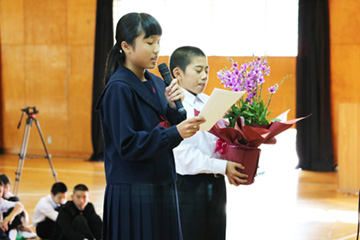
x: 45, y: 208
x: 196, y: 155
x: 5, y: 205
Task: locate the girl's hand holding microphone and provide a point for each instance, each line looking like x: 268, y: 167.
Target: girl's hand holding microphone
x: 174, y: 92
x: 188, y: 127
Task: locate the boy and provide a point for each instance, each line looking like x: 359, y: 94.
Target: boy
x: 77, y: 219
x: 9, y: 223
x: 201, y: 184
x: 6, y: 193
x: 47, y: 209
x: 22, y: 219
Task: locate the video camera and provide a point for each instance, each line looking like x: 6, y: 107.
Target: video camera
x: 30, y: 110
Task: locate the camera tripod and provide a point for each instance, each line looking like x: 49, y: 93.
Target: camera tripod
x: 31, y: 116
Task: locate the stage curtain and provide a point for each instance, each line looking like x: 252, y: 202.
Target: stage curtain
x: 103, y: 43
x: 1, y: 104
x: 314, y: 134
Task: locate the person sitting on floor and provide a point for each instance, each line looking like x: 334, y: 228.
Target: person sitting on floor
x: 11, y: 220
x: 23, y: 229
x: 47, y: 209
x: 77, y: 219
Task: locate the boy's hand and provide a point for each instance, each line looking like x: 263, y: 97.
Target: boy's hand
x: 189, y: 127
x: 4, y: 225
x: 235, y: 177
x: 174, y: 92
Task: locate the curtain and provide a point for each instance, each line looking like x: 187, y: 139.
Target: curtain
x: 103, y: 43
x: 1, y: 122
x: 314, y: 134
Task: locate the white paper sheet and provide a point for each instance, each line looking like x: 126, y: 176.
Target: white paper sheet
x: 219, y: 102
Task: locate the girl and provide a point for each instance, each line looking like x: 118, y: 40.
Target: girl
x: 138, y: 123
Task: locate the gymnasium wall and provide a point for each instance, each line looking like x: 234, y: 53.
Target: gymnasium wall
x: 47, y: 50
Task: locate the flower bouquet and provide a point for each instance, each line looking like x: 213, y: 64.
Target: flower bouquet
x: 248, y: 125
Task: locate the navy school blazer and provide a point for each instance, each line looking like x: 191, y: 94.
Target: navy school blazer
x: 137, y: 150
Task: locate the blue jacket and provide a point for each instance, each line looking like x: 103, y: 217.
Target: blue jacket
x: 137, y: 150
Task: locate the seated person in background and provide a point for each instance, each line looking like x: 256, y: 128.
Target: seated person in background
x: 47, y: 209
x: 77, y: 219
x: 23, y: 230
x: 10, y: 222
x: 6, y: 193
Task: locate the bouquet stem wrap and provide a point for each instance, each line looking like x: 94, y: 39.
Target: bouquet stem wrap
x: 247, y: 156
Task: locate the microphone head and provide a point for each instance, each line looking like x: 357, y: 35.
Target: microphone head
x: 164, y: 71
x: 163, y: 68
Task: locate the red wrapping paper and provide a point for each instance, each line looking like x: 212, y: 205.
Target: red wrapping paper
x: 241, y: 144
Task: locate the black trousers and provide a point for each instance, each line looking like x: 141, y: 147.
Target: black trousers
x: 91, y: 227
x: 202, y: 204
x: 3, y: 235
x: 45, y: 228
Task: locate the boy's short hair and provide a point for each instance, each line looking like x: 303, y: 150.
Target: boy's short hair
x: 1, y: 184
x: 58, y: 187
x: 5, y: 180
x: 183, y: 56
x: 80, y: 187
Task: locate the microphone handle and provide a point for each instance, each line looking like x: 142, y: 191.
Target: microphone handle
x: 179, y: 106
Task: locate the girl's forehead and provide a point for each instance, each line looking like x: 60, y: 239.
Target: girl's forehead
x: 152, y: 37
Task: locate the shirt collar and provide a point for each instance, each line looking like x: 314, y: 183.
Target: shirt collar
x: 192, y: 99
x: 54, y: 204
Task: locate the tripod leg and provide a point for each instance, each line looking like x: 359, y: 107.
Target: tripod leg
x: 22, y: 155
x: 48, y: 156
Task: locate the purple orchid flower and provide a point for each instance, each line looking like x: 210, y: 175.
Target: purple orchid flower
x: 273, y: 89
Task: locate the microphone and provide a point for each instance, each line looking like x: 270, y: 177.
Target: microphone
x: 164, y: 71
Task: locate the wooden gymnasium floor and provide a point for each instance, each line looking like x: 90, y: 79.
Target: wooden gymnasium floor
x: 283, y: 203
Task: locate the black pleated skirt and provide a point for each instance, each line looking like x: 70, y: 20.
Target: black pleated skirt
x: 141, y: 212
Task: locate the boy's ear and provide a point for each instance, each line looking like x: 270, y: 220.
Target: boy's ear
x: 178, y: 73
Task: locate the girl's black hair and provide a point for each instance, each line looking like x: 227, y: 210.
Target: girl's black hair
x: 183, y: 56
x: 129, y: 27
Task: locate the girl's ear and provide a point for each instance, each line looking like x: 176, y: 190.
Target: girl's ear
x: 178, y: 73
x: 125, y: 47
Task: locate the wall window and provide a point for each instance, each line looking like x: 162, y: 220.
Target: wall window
x: 222, y: 27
